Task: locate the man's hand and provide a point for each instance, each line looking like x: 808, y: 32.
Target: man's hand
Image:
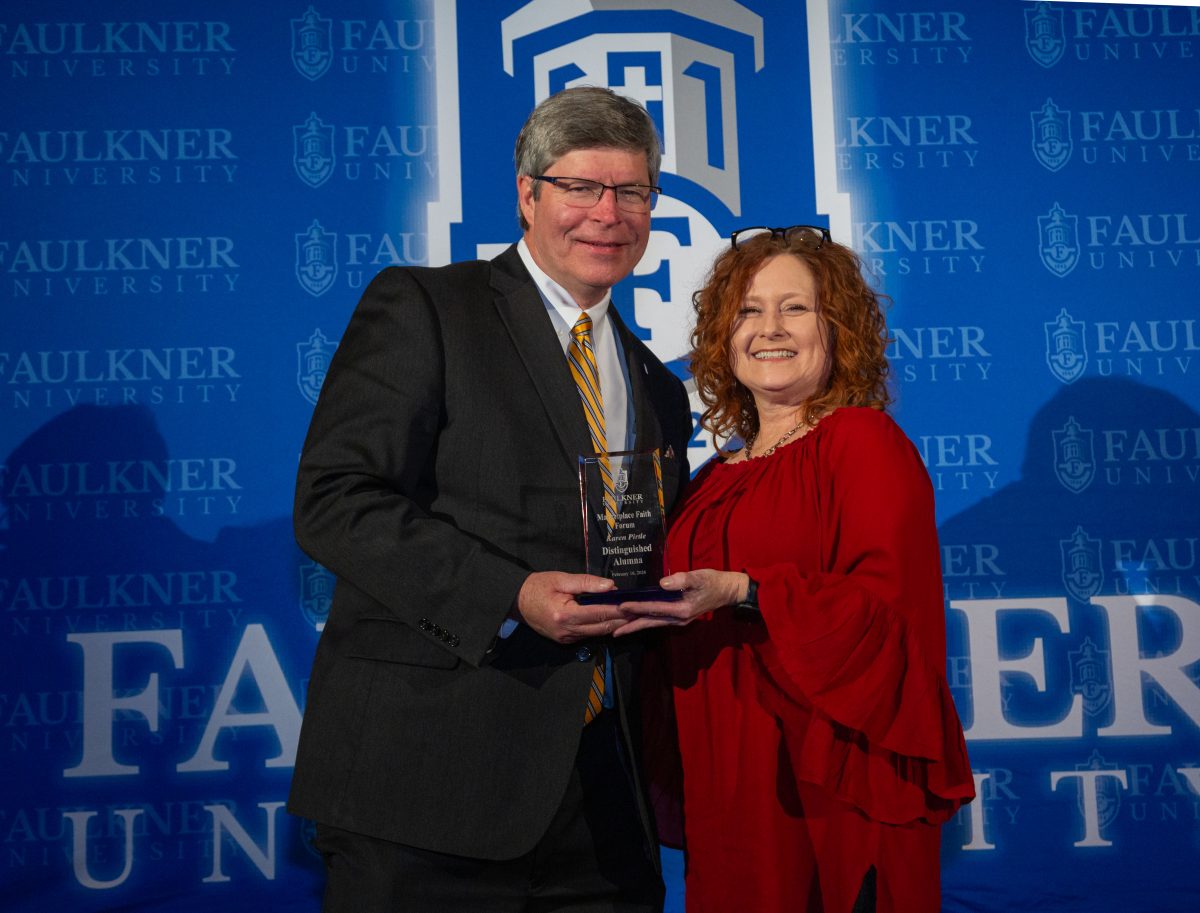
x: 546, y: 602
x: 703, y: 591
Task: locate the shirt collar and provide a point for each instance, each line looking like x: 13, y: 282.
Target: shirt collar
x: 558, y: 297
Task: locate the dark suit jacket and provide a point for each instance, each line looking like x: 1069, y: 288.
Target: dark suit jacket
x: 439, y: 470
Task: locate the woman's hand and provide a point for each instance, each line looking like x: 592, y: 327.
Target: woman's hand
x: 703, y: 591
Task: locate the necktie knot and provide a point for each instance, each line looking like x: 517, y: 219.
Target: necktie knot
x: 583, y: 327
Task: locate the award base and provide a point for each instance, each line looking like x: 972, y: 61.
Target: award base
x: 640, y: 594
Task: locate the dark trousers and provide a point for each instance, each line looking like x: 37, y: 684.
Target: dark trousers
x: 594, y: 857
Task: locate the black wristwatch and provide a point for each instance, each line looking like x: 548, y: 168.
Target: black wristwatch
x: 750, y: 603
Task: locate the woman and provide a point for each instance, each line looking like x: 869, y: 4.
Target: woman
x: 820, y: 747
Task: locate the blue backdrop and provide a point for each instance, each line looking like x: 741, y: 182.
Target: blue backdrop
x: 194, y: 195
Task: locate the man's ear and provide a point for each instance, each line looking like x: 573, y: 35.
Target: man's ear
x: 525, y: 185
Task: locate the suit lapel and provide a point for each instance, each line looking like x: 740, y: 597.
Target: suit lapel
x: 647, y: 432
x: 524, y: 315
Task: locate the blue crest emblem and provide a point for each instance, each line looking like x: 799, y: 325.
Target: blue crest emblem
x: 1044, y: 33
x: 312, y: 364
x: 621, y: 482
x: 1108, y: 797
x: 1066, y: 350
x: 1059, y: 237
x: 1074, y: 456
x: 308, y: 836
x: 687, y: 74
x: 688, y: 88
x: 1090, y: 677
x: 1051, y: 135
x: 1081, y: 570
x: 312, y: 44
x: 316, y: 267
x: 312, y: 154
x: 316, y: 593
x: 697, y: 68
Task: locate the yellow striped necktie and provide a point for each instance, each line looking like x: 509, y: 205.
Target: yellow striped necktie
x: 581, y: 358
x: 595, y: 698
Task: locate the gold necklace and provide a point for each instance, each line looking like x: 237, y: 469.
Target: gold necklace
x: 770, y: 450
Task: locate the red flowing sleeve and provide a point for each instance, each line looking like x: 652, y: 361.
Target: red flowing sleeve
x: 853, y: 665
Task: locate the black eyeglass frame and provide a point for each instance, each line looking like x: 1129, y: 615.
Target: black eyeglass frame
x: 785, y: 234
x: 652, y: 191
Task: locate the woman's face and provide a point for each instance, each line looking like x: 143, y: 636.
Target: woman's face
x: 780, y: 347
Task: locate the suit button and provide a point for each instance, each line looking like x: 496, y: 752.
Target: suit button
x: 583, y: 654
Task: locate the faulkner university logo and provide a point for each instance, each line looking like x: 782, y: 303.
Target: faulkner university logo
x: 687, y: 87
x: 316, y: 593
x: 1082, y: 573
x: 1074, y: 456
x: 316, y: 266
x: 1107, y: 795
x: 312, y: 154
x: 1051, y: 135
x: 1090, y: 677
x: 312, y: 364
x: 621, y: 483
x: 687, y: 75
x: 1058, y: 234
x: 1066, y: 351
x: 1044, y: 34
x: 312, y: 44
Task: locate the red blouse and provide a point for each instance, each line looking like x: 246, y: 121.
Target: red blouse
x: 820, y: 738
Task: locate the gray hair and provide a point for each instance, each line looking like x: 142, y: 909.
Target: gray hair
x: 585, y: 117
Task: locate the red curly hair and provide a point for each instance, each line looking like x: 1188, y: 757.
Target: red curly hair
x: 849, y: 309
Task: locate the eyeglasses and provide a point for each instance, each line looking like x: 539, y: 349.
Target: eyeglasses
x: 811, y: 236
x: 584, y: 194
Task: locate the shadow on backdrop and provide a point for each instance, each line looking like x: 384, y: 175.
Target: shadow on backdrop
x: 146, y: 670
x: 1106, y: 509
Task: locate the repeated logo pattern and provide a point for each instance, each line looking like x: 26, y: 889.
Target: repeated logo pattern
x: 1074, y: 456
x: 1090, y: 676
x: 1044, y: 34
x: 1082, y: 573
x: 312, y: 44
x: 1058, y: 232
x: 1051, y: 135
x: 152, y: 315
x: 1066, y: 349
x: 316, y: 263
x: 314, y: 156
x: 312, y: 364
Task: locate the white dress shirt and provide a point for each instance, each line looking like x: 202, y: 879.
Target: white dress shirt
x: 614, y: 384
x: 614, y: 381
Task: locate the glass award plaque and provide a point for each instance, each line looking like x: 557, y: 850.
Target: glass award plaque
x: 624, y: 524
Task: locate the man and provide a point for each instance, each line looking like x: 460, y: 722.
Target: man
x: 445, y: 754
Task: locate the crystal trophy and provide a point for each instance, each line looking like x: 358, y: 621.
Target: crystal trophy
x: 624, y: 524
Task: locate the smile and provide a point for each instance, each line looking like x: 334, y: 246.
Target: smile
x: 771, y: 354
x: 602, y: 245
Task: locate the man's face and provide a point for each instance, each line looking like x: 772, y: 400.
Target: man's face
x: 586, y: 251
